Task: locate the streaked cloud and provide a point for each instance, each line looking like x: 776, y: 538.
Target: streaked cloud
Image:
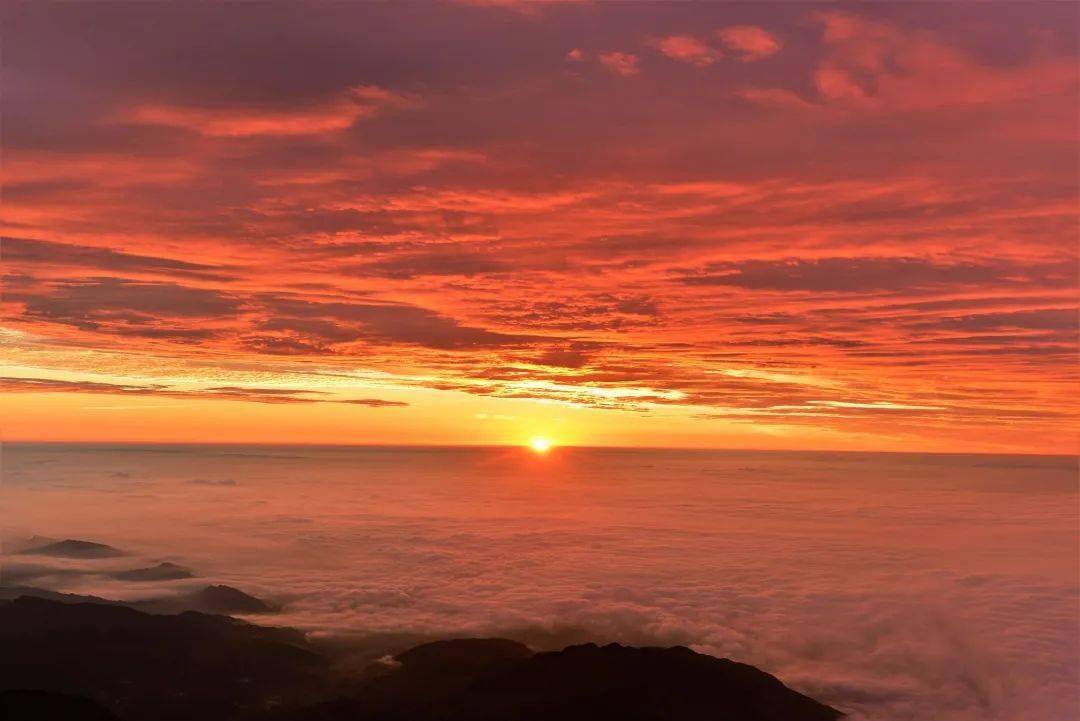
x: 251, y: 395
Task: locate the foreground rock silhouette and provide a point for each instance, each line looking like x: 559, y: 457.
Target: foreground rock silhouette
x: 500, y: 680
x: 197, y: 666
x: 143, y: 666
x: 25, y: 705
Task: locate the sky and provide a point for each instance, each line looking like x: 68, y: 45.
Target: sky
x: 631, y: 224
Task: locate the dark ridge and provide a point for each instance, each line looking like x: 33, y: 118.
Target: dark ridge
x: 143, y: 666
x: 71, y: 548
x: 161, y: 572
x: 463, y: 656
x: 10, y: 593
x: 215, y: 668
x: 499, y: 680
x: 31, y: 705
x: 588, y: 681
x: 224, y: 600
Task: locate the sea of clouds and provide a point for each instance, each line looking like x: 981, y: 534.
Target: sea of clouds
x: 894, y: 587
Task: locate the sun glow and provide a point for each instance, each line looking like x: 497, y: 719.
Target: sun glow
x: 540, y: 445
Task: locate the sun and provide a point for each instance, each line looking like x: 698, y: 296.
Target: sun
x: 540, y: 445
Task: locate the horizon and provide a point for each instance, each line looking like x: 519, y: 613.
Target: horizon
x: 127, y: 445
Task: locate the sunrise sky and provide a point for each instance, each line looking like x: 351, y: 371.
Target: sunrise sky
x: 710, y: 225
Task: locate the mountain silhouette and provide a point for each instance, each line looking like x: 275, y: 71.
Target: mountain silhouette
x: 144, y: 666
x: 500, y: 680
x: 10, y: 593
x: 209, y: 599
x: 161, y: 572
x: 192, y: 665
x: 27, y: 705
x: 72, y: 548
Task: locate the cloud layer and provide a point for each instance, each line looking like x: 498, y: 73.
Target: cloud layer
x: 653, y: 210
x: 892, y: 586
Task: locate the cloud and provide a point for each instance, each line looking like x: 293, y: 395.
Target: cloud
x: 49, y: 385
x: 620, y: 63
x: 866, y: 274
x: 749, y: 42
x: 150, y: 309
x: 373, y: 402
x: 395, y: 322
x: 362, y: 209
x: 102, y: 298
x: 436, y: 262
x: 212, y: 482
x: 778, y: 560
x: 339, y: 113
x: 570, y: 357
x: 29, y: 251
x: 248, y: 394
x: 687, y: 49
x: 1049, y: 319
x: 876, y: 65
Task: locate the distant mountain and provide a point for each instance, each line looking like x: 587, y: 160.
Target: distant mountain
x: 10, y: 593
x: 215, y: 668
x: 13, y: 574
x: 224, y: 600
x: 161, y: 572
x: 211, y: 599
x: 71, y: 548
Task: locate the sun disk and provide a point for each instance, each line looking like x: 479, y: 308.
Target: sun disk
x: 540, y: 445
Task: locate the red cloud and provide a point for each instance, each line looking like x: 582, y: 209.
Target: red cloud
x: 338, y: 113
x: 687, y: 49
x: 749, y: 42
x: 625, y: 64
x: 875, y: 65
